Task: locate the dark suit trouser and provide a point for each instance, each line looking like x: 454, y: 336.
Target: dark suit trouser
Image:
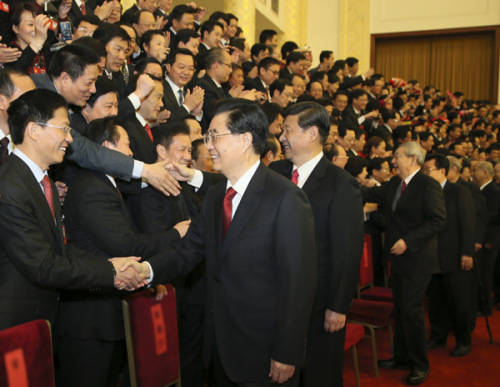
x: 410, y: 343
x: 450, y: 300
x: 190, y: 345
x: 84, y: 363
x: 486, y: 265
x: 325, y: 360
x: 221, y: 379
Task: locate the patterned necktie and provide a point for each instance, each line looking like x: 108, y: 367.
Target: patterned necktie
x: 295, y: 177
x: 181, y: 97
x: 83, y: 9
x: 4, y: 151
x: 149, y: 132
x: 227, y: 210
x: 47, y: 190
x: 125, y: 73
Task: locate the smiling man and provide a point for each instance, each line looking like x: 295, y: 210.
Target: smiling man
x: 35, y: 260
x: 415, y: 213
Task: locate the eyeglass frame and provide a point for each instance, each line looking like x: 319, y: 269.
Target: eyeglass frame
x: 211, y: 137
x: 66, y: 129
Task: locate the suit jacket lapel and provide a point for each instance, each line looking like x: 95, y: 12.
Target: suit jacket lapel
x: 314, y: 178
x: 249, y: 202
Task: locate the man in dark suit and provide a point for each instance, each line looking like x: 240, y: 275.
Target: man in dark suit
x: 415, y: 213
x: 34, y: 259
x: 268, y: 72
x: 90, y: 327
x: 482, y: 175
x: 147, y: 5
x: 218, y: 68
x: 295, y: 64
x: 450, y: 291
x: 177, y: 99
x: 355, y: 114
x: 256, y: 233
x: 80, y: 8
x: 335, y: 198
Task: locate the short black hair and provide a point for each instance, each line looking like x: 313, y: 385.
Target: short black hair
x: 93, y: 44
x: 104, y: 129
x: 376, y: 164
x: 103, y: 85
x: 287, y: 48
x: 214, y: 55
x: 355, y: 165
x: 268, y: 62
x: 107, y: 32
x: 7, y: 87
x: 245, y: 116
x: 148, y: 36
x: 238, y: 43
x: 91, y: 19
x: 311, y: 114
x: 217, y: 15
x: 185, y: 35
x: 72, y: 59
x: 343, y: 128
x: 257, y: 48
x: 340, y: 92
x: 279, y: 84
x: 325, y: 54
x: 400, y: 132
x: 172, y: 57
x: 270, y: 145
x: 137, y: 16
x: 196, y: 144
x: 165, y: 133
x: 266, y: 34
x: 294, y: 57
x: 357, y: 93
x: 37, y: 105
x: 272, y: 111
x: 351, y: 61
x: 440, y: 160
x: 424, y: 136
x: 209, y: 26
x: 141, y: 65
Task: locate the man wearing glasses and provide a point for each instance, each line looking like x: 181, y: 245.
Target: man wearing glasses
x: 269, y: 71
x: 256, y: 234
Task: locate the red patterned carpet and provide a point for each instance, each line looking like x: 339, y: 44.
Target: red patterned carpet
x: 480, y: 368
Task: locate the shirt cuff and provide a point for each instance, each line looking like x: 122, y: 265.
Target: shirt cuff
x: 150, y: 279
x: 136, y: 102
x: 361, y: 119
x: 197, y: 179
x: 137, y: 171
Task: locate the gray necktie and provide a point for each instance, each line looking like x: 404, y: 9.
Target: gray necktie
x: 181, y: 97
x: 397, y: 196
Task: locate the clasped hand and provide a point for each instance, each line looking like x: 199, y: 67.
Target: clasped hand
x: 130, y: 273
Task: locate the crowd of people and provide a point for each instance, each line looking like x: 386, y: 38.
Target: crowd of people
x: 136, y: 114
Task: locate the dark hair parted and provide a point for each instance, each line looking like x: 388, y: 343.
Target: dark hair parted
x: 104, y: 129
x: 311, y: 114
x: 72, y: 59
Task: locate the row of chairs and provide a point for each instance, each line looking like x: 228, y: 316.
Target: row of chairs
x: 27, y: 348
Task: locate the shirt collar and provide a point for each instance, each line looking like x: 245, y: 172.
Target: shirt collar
x: 485, y: 184
x: 34, y: 168
x: 174, y: 87
x: 112, y: 180
x: 306, y: 169
x: 242, y: 184
x: 408, y: 179
x: 444, y: 183
x: 141, y: 119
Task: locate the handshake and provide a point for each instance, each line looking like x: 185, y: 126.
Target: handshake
x: 130, y: 273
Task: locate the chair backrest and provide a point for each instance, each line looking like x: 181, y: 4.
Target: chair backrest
x: 152, y: 339
x: 26, y: 355
x: 366, y: 266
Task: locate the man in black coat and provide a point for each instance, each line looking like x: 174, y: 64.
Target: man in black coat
x: 335, y: 198
x: 256, y: 234
x: 450, y: 291
x: 415, y: 213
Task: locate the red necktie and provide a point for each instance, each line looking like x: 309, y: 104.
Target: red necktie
x: 4, y: 152
x: 295, y: 177
x: 149, y: 132
x: 403, y: 186
x: 83, y: 9
x: 47, y: 190
x: 227, y: 210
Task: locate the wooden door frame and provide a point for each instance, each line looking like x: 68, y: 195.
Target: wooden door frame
x: 452, y: 31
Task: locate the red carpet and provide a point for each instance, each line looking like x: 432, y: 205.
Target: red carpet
x: 480, y: 368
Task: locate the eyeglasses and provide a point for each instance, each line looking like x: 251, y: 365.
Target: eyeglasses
x: 429, y: 170
x: 148, y: 25
x: 211, y: 137
x: 225, y: 64
x: 66, y: 129
x: 275, y: 72
x: 85, y: 31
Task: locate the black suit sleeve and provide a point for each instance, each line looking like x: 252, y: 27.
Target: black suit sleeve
x: 467, y: 219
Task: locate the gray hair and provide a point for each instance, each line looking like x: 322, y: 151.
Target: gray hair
x: 485, y: 166
x: 454, y: 163
x: 413, y: 148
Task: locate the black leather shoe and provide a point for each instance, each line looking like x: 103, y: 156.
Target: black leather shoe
x: 417, y: 377
x: 433, y: 344
x: 393, y: 364
x: 460, y: 351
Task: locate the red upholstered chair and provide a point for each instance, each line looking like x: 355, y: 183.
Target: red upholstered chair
x: 152, y: 339
x: 372, y: 315
x: 26, y: 355
x: 370, y: 292
x: 353, y: 334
